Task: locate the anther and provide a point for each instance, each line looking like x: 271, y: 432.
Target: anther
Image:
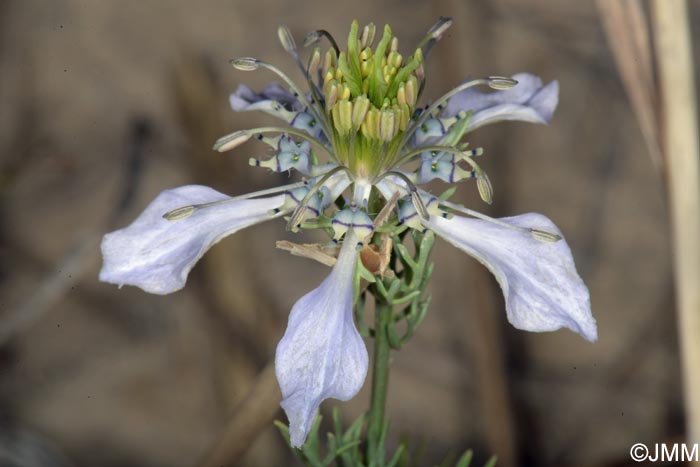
x: 394, y: 46
x: 359, y: 111
x: 179, y: 213
x: 501, y: 83
x: 245, y: 63
x: 314, y: 62
x: 286, y: 39
x: 537, y: 234
x: 367, y: 36
x: 228, y: 142
x: 386, y: 125
x: 544, y: 236
x: 483, y: 184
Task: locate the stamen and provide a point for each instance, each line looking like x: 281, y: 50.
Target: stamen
x: 501, y: 83
x: 544, y: 236
x: 184, y: 212
x: 224, y: 143
x: 537, y: 234
x: 179, y: 213
x: 244, y: 63
x: 483, y: 184
x: 314, y: 63
x: 248, y: 64
x: 497, y: 81
x: 293, y: 223
x: 367, y: 36
x: 287, y: 40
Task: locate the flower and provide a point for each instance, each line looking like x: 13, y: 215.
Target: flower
x: 356, y: 132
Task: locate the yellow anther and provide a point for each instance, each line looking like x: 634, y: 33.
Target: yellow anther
x: 327, y: 85
x: 394, y: 44
x: 389, y: 73
x: 330, y: 74
x: 395, y: 59
x: 338, y: 74
x: 364, y: 128
x: 366, y: 54
x: 359, y: 111
x: 405, y: 116
x: 401, y: 94
x: 411, y: 91
x: 335, y: 115
x: 346, y: 92
x: 418, y: 55
x: 365, y: 68
x: 343, y: 122
x: 330, y: 60
x: 331, y: 95
x: 397, y: 120
x: 367, y: 36
x: 372, y: 120
x: 386, y: 125
x: 315, y: 62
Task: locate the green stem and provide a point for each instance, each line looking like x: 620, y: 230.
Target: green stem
x: 380, y: 382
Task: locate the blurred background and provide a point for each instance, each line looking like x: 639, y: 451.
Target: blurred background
x: 105, y: 104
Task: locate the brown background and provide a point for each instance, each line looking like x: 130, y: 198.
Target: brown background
x: 105, y: 104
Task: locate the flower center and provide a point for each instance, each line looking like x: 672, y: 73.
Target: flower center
x: 370, y: 96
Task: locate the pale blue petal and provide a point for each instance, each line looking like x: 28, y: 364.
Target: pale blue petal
x: 542, y: 289
x: 321, y: 354
x: 156, y: 254
x: 528, y: 101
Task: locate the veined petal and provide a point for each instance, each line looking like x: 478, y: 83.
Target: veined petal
x: 321, y: 354
x: 156, y: 254
x: 542, y: 289
x: 527, y: 101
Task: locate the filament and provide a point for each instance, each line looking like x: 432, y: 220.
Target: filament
x: 541, y: 235
x: 184, y: 212
x: 223, y: 141
x: 491, y: 81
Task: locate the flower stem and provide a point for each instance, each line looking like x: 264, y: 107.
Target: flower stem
x: 380, y: 382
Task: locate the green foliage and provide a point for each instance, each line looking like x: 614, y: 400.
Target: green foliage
x: 344, y: 448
